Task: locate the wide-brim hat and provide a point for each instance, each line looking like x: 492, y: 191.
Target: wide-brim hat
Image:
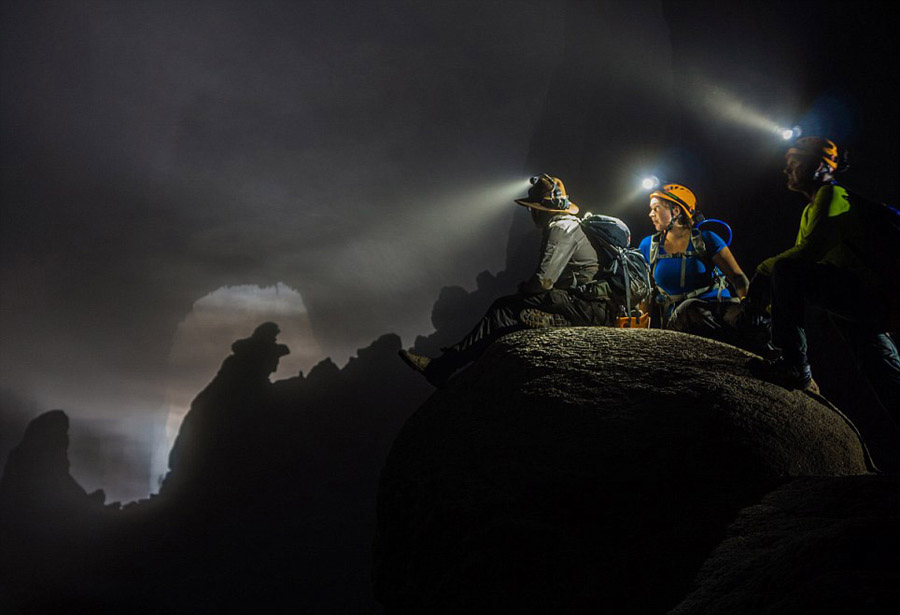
x: 548, y: 194
x: 571, y: 209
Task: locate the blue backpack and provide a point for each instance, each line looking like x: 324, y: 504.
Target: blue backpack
x: 626, y: 271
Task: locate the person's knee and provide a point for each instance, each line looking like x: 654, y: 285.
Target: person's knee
x: 792, y: 283
x: 678, y: 323
x: 507, y: 302
x: 788, y: 270
x: 686, y: 315
x: 589, y: 313
x: 733, y: 315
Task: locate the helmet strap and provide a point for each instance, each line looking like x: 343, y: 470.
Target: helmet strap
x: 823, y: 171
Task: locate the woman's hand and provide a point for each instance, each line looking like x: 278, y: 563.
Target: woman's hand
x: 725, y: 261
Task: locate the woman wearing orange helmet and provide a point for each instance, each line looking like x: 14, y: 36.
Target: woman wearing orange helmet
x: 687, y: 266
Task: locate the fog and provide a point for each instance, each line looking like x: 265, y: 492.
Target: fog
x: 157, y: 151
x: 357, y: 155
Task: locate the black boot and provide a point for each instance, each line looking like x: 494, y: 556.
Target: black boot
x: 437, y: 371
x: 791, y: 376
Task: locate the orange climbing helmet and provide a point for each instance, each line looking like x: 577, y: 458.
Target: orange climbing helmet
x: 816, y: 147
x: 679, y: 195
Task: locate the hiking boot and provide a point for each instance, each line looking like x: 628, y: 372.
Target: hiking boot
x: 416, y: 361
x: 768, y: 352
x: 783, y: 374
x: 436, y: 371
x: 537, y: 319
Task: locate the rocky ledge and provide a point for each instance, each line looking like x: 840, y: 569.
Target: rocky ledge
x: 582, y: 470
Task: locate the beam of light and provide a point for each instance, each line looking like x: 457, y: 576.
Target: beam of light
x: 111, y: 452
x: 434, y: 229
x: 114, y: 431
x: 728, y: 106
x: 641, y: 184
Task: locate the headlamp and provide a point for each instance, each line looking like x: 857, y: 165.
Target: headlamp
x: 790, y: 133
x: 650, y: 182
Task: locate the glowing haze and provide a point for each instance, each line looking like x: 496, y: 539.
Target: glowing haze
x: 172, y: 170
x: 356, y: 157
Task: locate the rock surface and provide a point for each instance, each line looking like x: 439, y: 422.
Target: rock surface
x: 587, y: 470
x: 37, y: 472
x: 827, y: 545
x: 269, y: 505
x: 45, y: 515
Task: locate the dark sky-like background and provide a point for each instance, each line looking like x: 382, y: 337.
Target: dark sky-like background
x: 174, y: 173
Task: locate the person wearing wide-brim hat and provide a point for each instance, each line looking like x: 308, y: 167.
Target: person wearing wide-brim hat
x: 548, y: 194
x: 553, y: 296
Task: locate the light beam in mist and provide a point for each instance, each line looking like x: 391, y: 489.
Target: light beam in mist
x: 728, y: 106
x: 402, y: 251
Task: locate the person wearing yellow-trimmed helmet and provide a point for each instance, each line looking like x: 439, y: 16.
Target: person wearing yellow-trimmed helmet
x: 553, y: 296
x: 809, y: 164
x: 830, y: 266
x: 690, y: 293
x: 680, y: 202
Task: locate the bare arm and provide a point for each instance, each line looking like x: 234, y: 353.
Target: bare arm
x: 725, y: 261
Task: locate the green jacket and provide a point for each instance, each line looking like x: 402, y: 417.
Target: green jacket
x: 830, y: 232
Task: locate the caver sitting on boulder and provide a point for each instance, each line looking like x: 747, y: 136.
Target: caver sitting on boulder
x: 687, y: 265
x: 554, y: 296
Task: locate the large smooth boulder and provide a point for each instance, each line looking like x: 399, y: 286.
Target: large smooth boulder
x: 587, y: 470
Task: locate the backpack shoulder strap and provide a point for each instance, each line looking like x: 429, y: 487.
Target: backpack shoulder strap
x: 654, y: 250
x: 718, y: 278
x: 698, y: 244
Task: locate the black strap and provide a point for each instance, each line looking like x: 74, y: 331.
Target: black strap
x: 627, y: 285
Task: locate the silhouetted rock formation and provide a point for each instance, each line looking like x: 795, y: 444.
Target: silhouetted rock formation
x: 36, y: 480
x: 218, y: 439
x: 813, y: 546
x: 587, y: 470
x: 46, y: 522
x: 570, y: 470
x: 269, y: 504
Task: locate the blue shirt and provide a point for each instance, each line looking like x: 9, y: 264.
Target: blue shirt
x: 696, y: 273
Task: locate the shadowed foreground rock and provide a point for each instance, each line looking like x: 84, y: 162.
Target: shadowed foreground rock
x: 268, y: 508
x: 587, y: 470
x: 824, y: 545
